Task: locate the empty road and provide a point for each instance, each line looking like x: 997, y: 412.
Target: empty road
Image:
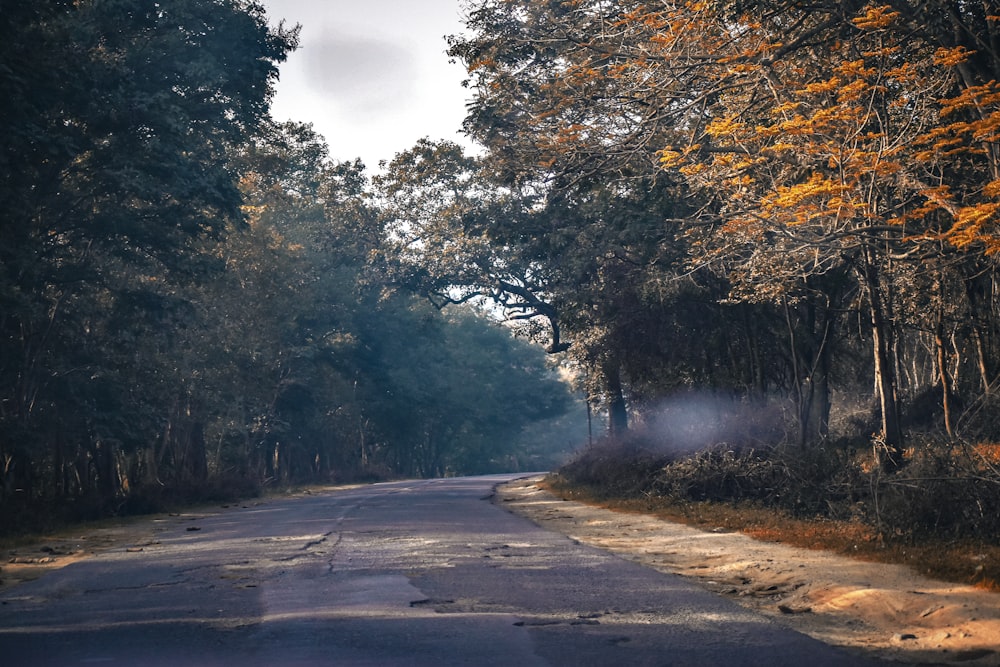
x: 409, y: 573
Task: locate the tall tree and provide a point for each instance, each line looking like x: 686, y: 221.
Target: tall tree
x: 114, y: 163
x: 818, y: 147
x: 812, y: 143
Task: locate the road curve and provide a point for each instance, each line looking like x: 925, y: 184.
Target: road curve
x: 409, y: 573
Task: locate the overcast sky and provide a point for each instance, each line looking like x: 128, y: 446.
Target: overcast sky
x: 371, y: 75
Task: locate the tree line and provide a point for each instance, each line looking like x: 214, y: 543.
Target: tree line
x: 195, y: 300
x: 792, y: 206
x: 788, y: 208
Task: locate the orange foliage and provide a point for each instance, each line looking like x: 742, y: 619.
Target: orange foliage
x: 876, y: 18
x: 988, y: 451
x: 951, y: 57
x: 852, y: 130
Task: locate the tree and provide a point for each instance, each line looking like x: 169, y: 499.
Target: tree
x: 808, y: 144
x: 440, y: 213
x: 341, y: 372
x: 572, y: 124
x: 114, y: 165
x: 822, y: 156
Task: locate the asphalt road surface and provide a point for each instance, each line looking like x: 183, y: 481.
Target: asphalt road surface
x: 412, y: 573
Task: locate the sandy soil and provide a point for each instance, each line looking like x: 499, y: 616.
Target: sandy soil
x: 887, y: 611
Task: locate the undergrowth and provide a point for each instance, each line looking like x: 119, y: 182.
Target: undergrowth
x: 937, y: 513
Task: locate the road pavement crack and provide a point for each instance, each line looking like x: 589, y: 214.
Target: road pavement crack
x: 317, y: 542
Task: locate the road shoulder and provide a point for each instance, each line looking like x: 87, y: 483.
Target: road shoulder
x: 886, y: 611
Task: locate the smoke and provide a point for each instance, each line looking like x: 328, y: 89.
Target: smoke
x: 693, y: 421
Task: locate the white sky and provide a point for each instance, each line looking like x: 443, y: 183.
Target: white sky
x: 372, y: 76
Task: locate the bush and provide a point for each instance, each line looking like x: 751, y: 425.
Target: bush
x: 945, y: 490
x: 614, y: 468
x: 942, y: 490
x: 723, y: 474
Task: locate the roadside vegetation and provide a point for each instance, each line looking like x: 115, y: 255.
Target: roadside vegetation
x: 197, y: 302
x: 936, y: 513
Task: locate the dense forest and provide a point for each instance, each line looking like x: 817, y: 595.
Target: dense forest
x: 197, y: 302
x: 755, y: 226
x: 734, y: 225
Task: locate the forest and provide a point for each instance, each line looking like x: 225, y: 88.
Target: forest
x: 765, y: 232
x: 197, y: 303
x: 759, y: 238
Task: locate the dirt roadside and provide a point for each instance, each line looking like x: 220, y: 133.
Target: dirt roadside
x: 32, y: 558
x: 887, y: 611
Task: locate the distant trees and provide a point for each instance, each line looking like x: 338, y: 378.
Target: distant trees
x: 350, y: 374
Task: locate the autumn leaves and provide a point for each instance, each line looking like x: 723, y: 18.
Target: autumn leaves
x: 835, y: 155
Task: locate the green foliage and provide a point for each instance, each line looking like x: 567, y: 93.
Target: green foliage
x: 452, y: 395
x: 194, y: 300
x: 115, y: 165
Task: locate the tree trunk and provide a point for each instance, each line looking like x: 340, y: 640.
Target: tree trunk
x: 884, y: 369
x: 943, y: 379
x: 106, y: 464
x: 59, y: 468
x: 197, y: 452
x: 758, y: 382
x: 984, y: 374
x: 817, y: 414
x: 810, y: 369
x: 615, y: 395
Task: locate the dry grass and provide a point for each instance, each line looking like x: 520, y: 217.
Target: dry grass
x: 960, y: 561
